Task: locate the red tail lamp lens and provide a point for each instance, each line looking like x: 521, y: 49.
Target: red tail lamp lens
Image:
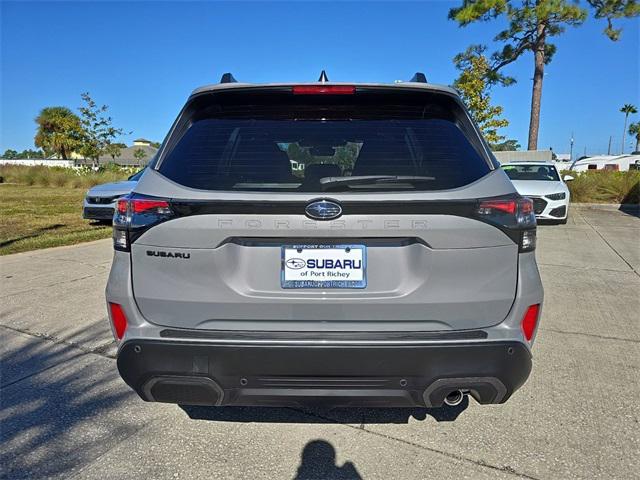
x: 122, y: 206
x: 530, y: 321
x: 118, y: 319
x: 324, y: 89
x: 141, y: 206
x: 492, y: 206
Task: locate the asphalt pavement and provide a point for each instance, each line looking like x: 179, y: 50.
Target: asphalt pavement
x: 65, y: 412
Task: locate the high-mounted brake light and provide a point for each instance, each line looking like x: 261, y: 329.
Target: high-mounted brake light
x: 324, y: 89
x: 118, y: 320
x: 530, y: 321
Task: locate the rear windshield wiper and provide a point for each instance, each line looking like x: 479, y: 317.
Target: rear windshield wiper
x: 326, y: 182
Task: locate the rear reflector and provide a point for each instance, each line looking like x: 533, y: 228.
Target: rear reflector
x: 118, y: 319
x: 324, y: 90
x: 530, y: 321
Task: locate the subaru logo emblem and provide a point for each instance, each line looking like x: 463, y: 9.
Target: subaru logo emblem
x: 295, y: 263
x: 323, y: 210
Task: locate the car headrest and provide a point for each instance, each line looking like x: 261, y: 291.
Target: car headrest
x: 316, y: 171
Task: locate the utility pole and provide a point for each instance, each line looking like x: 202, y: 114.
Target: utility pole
x: 609, y: 149
x: 571, y: 150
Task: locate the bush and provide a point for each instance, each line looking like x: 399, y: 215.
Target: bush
x: 43, y: 176
x: 598, y: 186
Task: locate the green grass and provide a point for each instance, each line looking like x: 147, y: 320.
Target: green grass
x: 40, y: 217
x: 43, y: 176
x: 605, y: 187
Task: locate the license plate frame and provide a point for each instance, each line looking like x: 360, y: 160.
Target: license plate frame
x: 317, y: 282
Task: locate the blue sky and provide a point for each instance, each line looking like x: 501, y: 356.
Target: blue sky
x: 143, y: 59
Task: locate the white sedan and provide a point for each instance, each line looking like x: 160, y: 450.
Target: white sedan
x: 541, y: 182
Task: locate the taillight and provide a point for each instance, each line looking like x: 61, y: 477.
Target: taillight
x: 149, y: 206
x: 134, y: 215
x: 118, y: 320
x: 530, y: 321
x: 123, y: 205
x: 515, y: 216
x: 324, y: 89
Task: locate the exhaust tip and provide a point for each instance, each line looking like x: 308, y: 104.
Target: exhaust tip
x: 454, y: 398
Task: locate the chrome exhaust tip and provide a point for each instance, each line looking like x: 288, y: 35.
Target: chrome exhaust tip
x: 454, y: 398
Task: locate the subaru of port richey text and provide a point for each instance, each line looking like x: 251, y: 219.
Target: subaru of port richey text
x: 328, y: 244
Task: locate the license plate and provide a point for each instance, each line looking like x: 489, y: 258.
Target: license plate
x: 324, y: 266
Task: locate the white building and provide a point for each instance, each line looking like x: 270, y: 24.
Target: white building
x: 620, y: 163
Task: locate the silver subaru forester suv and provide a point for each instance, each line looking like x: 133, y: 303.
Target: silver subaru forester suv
x: 324, y: 243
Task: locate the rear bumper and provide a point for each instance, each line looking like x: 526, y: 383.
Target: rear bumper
x: 210, y: 373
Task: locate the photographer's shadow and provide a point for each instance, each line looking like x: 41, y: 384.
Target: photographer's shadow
x: 318, y: 460
x: 312, y: 415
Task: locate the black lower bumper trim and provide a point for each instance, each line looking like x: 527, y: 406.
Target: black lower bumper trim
x: 326, y: 375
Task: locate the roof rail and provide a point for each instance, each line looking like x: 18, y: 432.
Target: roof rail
x: 228, y: 78
x: 419, y: 77
x: 323, y: 77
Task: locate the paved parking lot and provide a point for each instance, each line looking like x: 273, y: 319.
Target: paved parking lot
x: 66, y: 413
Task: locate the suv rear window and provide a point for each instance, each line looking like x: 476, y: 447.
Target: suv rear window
x: 320, y: 145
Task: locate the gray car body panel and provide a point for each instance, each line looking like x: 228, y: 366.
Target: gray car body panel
x: 529, y: 291
x: 459, y: 278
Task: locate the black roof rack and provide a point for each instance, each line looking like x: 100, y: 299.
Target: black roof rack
x: 228, y: 78
x: 419, y: 77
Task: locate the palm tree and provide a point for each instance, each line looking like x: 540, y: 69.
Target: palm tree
x: 59, y: 131
x: 634, y: 130
x: 627, y: 109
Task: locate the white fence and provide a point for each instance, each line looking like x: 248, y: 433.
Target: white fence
x: 31, y: 162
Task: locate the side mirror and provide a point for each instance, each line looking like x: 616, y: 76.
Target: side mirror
x: 568, y: 178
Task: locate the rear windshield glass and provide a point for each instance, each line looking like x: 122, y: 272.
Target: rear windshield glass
x: 258, y: 150
x: 532, y: 172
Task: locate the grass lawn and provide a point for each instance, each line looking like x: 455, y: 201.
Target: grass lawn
x: 40, y: 217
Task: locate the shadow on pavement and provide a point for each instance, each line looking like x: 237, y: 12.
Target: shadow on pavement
x: 323, y: 416
x: 51, y: 401
x: 318, y: 460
